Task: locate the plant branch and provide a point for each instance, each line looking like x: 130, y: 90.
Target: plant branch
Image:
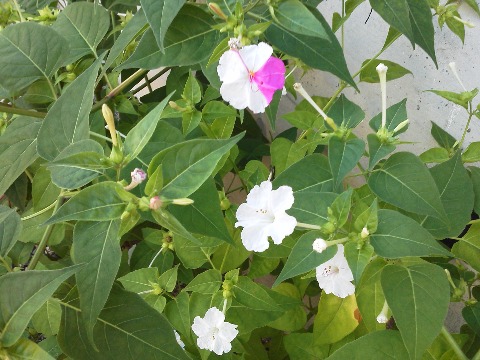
x: 470, y: 115
x: 6, y: 264
x: 453, y: 344
x: 14, y: 110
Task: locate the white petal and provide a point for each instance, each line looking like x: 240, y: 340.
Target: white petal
x: 231, y: 68
x: 283, y: 226
x: 343, y: 289
x: 228, y: 331
x: 236, y: 93
x: 281, y: 199
x: 214, y: 317
x: 247, y: 216
x: 254, y: 238
x: 200, y: 327
x: 255, y: 56
x: 205, y: 343
x: 220, y: 346
x: 259, y: 196
x: 257, y: 102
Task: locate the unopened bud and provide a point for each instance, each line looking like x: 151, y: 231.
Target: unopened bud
x: 155, y: 203
x: 401, y: 126
x: 138, y: 176
x: 234, y: 43
x: 382, y: 318
x: 217, y: 10
x: 110, y: 120
x: 364, y: 234
x: 182, y: 201
x: 319, y: 245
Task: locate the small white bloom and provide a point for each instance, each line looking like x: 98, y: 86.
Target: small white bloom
x: 364, y: 234
x: 179, y: 340
x: 214, y: 333
x: 264, y: 215
x: 382, y: 319
x: 382, y: 68
x: 138, y: 175
x: 335, y: 276
x: 319, y: 245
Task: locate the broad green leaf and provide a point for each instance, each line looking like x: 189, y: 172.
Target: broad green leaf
x: 190, y: 121
x: 140, y: 280
x: 254, y: 173
x: 405, y: 182
x: 207, y: 282
x: 472, y: 154
x: 67, y: 120
x: 294, y: 318
x: 160, y: 14
x: 318, y: 53
x: 413, y: 18
x: 435, y: 155
x: 443, y: 138
x: 22, y: 294
x: 96, y: 245
x: 189, y: 40
x: 154, y: 183
x: 38, y: 93
x: 168, y: 279
x: 369, y: 73
x: 47, y: 319
x: 187, y: 165
x: 25, y: 349
x: 346, y: 113
x: 177, y: 312
x: 312, y: 207
x: 119, y: 333
x: 140, y: 135
x: 261, y: 266
x: 396, y: 114
x: 302, y: 346
x: 170, y: 222
x: 456, y: 98
x: 303, y: 258
x: 84, y: 26
x: 475, y: 176
x: 285, y: 153
x: 456, y: 193
x: 441, y: 349
x: 272, y: 109
x: 44, y: 192
x: 99, y: 202
x: 297, y: 18
x: 398, y: 236
x: 77, y: 164
x: 374, y: 346
x: 418, y: 296
x: 471, y: 314
x: 164, y: 136
x: 134, y: 28
x: 377, y: 150
x: 193, y: 256
x: 304, y: 120
x: 335, y: 318
x: 468, y: 249
x: 369, y: 294
x: 29, y: 52
x: 204, y: 216
x: 192, y: 91
x: 474, y: 5
x: 10, y: 229
x: 457, y: 27
x: 358, y: 258
x: 343, y: 156
x: 218, y: 120
x: 341, y: 206
x: 367, y: 218
x: 253, y: 295
x: 18, y: 149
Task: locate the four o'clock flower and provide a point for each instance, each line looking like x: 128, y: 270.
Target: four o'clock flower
x: 138, y: 176
x: 319, y: 245
x: 264, y: 215
x: 214, y: 333
x: 335, y: 276
x: 382, y: 74
x: 250, y: 76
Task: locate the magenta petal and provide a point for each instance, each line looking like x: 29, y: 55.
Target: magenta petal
x: 270, y: 77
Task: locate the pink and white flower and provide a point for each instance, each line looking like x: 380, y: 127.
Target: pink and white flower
x: 250, y: 76
x: 264, y: 215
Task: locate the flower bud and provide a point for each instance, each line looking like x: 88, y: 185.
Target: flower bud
x: 319, y: 245
x: 175, y: 106
x: 382, y: 74
x: 234, y: 43
x: 401, y: 126
x: 138, y: 176
x: 182, y: 201
x: 155, y: 203
x: 382, y: 318
x: 328, y: 228
x: 110, y: 120
x: 365, y: 233
x: 217, y: 10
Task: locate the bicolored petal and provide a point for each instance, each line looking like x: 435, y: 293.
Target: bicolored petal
x: 231, y: 67
x: 255, y: 56
x: 270, y: 77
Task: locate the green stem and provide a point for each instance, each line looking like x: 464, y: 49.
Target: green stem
x: 224, y: 257
x: 470, y: 113
x: 308, y: 226
x: 39, y: 212
x: 52, y: 89
x: 208, y: 258
x: 453, y: 344
x: 46, y: 235
x: 18, y: 10
x: 94, y: 134
x: 6, y: 264
x: 14, y: 110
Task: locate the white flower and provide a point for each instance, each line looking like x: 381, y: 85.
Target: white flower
x: 334, y: 276
x: 382, y: 68
x: 364, y: 234
x: 214, y: 333
x: 250, y: 76
x: 138, y: 176
x: 382, y: 319
x: 179, y: 340
x: 264, y: 215
x: 319, y: 245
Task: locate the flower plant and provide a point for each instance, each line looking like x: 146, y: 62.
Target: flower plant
x: 168, y: 226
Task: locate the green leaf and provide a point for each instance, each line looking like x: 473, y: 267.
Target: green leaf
x: 343, y: 156
x: 294, y: 318
x: 207, y: 282
x: 164, y: 136
x: 160, y: 14
x: 444, y: 139
x: 77, y: 164
x: 472, y: 154
x: 285, y: 153
x: 254, y: 296
x: 22, y: 294
x: 335, y: 318
x: 47, y: 319
x: 139, y: 136
x: 326, y: 55
x: 468, y: 249
x: 374, y: 346
x: 99, y: 202
x: 413, y: 18
x: 456, y: 193
x: 154, y: 183
x: 471, y: 314
x: 303, y: 346
x: 134, y: 28
x: 84, y: 26
x: 193, y: 256
x: 304, y: 120
x: 140, y: 280
x: 435, y: 155
x: 44, y: 192
x: 95, y: 244
x: 168, y: 279
x: 18, y: 149
x: 74, y: 104
x: 297, y: 18
x: 204, y: 216
x: 29, y: 52
x: 346, y: 113
x: 358, y: 258
x: 189, y: 40
x: 272, y: 109
x: 457, y: 27
x: 367, y: 218
x: 187, y: 165
x: 25, y: 349
x: 341, y: 206
x: 219, y: 120
x: 10, y: 229
x: 170, y: 222
x: 192, y: 91
x: 475, y: 176
x: 396, y: 114
x: 369, y: 73
x: 190, y: 121
x: 377, y: 150
x: 418, y: 296
x: 303, y: 258
x: 118, y: 332
x: 405, y: 182
x: 398, y: 236
x: 461, y: 99
x: 473, y: 4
